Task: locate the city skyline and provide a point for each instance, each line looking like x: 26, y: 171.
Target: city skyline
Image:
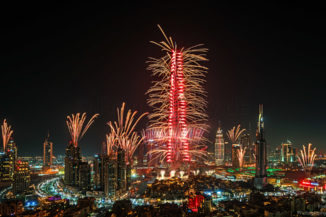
x: 76, y: 63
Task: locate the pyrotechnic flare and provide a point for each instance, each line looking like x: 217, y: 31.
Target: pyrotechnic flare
x: 240, y: 154
x: 6, y: 133
x: 307, y: 157
x: 178, y: 100
x: 75, y: 124
x: 110, y: 144
x: 234, y: 134
x: 122, y: 132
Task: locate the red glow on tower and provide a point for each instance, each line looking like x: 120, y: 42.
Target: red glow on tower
x: 177, y: 122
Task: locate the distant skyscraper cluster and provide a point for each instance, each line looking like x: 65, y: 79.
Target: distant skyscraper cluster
x: 14, y: 172
x: 111, y: 173
x: 47, y: 153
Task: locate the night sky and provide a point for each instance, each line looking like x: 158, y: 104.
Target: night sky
x: 61, y: 59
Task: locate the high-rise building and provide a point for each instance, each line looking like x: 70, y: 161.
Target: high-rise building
x: 98, y: 172
x: 47, y: 153
x: 261, y: 153
x: 22, y: 178
x: 5, y: 168
x: 72, y: 161
x: 84, y: 178
x: 121, y: 171
x: 110, y: 176
x: 219, y: 147
x: 7, y: 162
x: 288, y: 153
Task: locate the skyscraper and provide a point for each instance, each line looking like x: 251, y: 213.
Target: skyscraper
x: 110, y: 176
x: 219, y: 147
x: 121, y: 171
x: 7, y: 162
x: 72, y: 161
x: 84, y: 177
x: 261, y: 155
x: 287, y: 152
x: 22, y: 178
x: 98, y: 172
x: 47, y: 153
x: 5, y: 168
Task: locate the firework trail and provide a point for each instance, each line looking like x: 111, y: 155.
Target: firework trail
x: 122, y: 133
x: 307, y: 157
x: 75, y: 124
x: 234, y: 134
x: 178, y: 99
x: 240, y: 154
x: 6, y: 133
x: 110, y: 144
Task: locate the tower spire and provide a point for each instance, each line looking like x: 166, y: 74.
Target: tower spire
x: 261, y: 153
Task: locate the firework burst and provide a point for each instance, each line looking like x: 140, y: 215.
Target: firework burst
x: 235, y: 133
x: 6, y: 133
x: 178, y: 100
x: 75, y: 124
x: 307, y: 157
x: 123, y: 133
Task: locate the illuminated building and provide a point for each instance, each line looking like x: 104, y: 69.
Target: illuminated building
x: 219, y: 147
x: 178, y: 101
x: 98, y: 172
x: 84, y: 178
x: 288, y: 153
x: 47, y: 153
x: 7, y: 162
x: 110, y: 177
x: 22, y: 178
x: 261, y: 155
x: 177, y: 114
x: 72, y: 161
x: 121, y: 171
x: 5, y: 168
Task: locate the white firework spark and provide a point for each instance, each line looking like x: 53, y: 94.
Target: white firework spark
x: 307, y: 157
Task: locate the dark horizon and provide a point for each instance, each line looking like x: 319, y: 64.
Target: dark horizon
x: 90, y: 58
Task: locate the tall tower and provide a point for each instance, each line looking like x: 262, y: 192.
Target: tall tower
x: 11, y: 152
x: 177, y: 126
x: 72, y: 161
x: 261, y: 155
x: 121, y: 171
x: 22, y: 177
x: 178, y: 99
x: 47, y: 153
x: 219, y: 147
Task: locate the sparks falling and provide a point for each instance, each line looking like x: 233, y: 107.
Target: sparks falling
x: 178, y: 100
x: 123, y: 133
x: 240, y: 154
x: 6, y: 133
x: 75, y: 124
x: 307, y: 157
x: 235, y: 133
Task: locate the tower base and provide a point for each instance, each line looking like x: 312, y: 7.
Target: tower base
x: 260, y: 182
